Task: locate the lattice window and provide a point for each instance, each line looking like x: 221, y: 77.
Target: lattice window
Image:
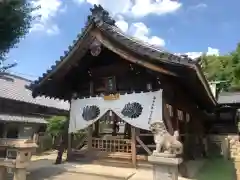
x: 114, y: 145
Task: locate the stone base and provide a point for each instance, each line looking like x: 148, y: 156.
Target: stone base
x: 165, y: 168
x: 165, y: 155
x: 20, y: 174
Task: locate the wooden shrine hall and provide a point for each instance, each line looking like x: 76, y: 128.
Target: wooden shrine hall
x: 118, y: 86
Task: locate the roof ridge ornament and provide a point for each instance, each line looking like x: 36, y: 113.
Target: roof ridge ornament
x: 100, y: 15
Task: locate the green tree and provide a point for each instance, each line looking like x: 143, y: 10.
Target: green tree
x: 224, y: 68
x: 56, y: 125
x: 15, y: 21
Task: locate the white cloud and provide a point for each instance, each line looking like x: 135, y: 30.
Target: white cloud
x: 210, y: 52
x: 53, y: 30
x: 113, y: 6
x: 49, y: 9
x: 213, y: 51
x: 137, y: 8
x: 121, y: 23
x: 139, y: 31
x: 142, y: 8
x: 142, y: 32
x: 199, y: 6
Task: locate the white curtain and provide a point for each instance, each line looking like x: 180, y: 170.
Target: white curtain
x: 151, y: 103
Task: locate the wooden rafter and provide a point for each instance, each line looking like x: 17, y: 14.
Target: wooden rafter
x: 143, y: 145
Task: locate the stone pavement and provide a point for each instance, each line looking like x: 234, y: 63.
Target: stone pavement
x: 42, y: 168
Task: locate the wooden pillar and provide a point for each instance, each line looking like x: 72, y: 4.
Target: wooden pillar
x: 69, y: 138
x: 35, y: 137
x: 3, y: 173
x: 89, y: 138
x: 133, y: 146
x: 20, y: 174
x: 69, y: 148
x: 90, y: 127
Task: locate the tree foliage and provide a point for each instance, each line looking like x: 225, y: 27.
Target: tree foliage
x: 57, y: 125
x: 223, y: 68
x: 15, y: 21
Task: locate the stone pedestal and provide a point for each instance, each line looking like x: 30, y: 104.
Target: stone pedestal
x: 20, y: 174
x: 3, y: 172
x: 165, y: 168
x: 237, y: 168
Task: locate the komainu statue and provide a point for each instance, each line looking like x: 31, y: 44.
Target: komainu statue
x: 166, y: 144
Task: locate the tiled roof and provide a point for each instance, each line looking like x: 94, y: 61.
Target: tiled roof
x: 100, y: 19
x: 103, y: 21
x: 16, y: 88
x: 25, y: 119
x: 229, y: 97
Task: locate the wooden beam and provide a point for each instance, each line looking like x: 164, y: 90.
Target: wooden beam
x: 133, y: 146
x: 69, y: 148
x: 69, y: 139
x: 89, y: 138
x: 81, y: 142
x: 128, y: 56
x: 143, y: 145
x: 149, y: 146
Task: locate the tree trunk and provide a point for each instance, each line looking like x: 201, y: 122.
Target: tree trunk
x: 61, y: 149
x: 63, y: 144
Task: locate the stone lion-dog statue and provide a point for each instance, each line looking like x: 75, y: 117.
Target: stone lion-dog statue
x: 166, y: 143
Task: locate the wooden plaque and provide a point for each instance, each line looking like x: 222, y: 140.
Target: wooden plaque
x: 112, y: 97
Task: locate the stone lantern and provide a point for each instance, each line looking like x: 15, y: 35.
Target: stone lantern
x: 18, y: 154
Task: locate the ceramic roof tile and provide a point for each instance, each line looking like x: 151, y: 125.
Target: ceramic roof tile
x: 25, y: 119
x: 16, y: 88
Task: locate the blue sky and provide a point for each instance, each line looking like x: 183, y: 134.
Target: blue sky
x: 187, y: 26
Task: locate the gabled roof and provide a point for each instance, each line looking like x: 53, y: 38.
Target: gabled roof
x: 100, y: 19
x: 16, y: 88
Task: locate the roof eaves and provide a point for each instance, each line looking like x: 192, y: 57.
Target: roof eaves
x: 204, y: 82
x: 143, y: 48
x: 98, y: 15
x: 63, y: 59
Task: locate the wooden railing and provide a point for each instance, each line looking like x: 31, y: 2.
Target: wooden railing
x: 112, y: 145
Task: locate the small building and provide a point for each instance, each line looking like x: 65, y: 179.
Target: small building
x: 118, y: 85
x: 20, y: 114
x: 227, y: 113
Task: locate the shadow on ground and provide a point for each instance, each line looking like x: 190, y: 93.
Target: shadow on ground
x: 217, y: 169
x: 44, y: 169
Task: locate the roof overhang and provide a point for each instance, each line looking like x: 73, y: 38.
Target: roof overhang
x: 22, y: 119
x: 101, y: 27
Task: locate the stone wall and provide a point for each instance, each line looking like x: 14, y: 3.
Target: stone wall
x: 234, y: 147
x: 218, y: 145
x: 230, y: 147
